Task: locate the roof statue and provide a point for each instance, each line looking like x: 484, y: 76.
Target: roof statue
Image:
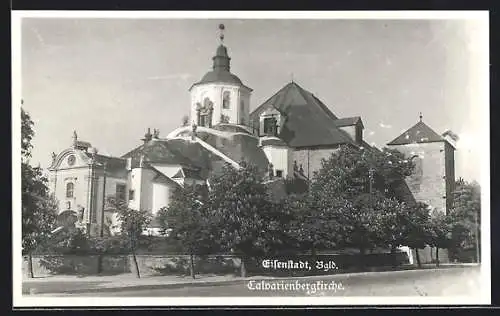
x: 75, y: 138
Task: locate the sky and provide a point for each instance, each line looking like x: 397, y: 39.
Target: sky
x: 111, y: 79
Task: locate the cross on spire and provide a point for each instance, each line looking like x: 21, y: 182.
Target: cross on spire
x: 420, y: 116
x: 291, y: 75
x: 221, y: 32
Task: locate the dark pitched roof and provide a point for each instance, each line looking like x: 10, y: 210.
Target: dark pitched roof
x: 113, y: 164
x: 308, y: 121
x: 419, y: 133
x: 191, y: 174
x: 175, y: 151
x: 348, y: 121
x: 160, y: 177
x: 220, y: 76
x: 157, y: 151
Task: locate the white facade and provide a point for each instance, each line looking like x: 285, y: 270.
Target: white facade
x: 281, y: 158
x: 161, y: 193
x: 236, y: 110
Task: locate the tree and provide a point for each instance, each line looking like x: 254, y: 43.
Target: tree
x: 318, y: 223
x: 416, y: 227
x: 185, y: 120
x: 245, y: 221
x: 465, y: 216
x: 357, y: 188
x: 184, y: 221
x: 39, y: 208
x: 132, y: 225
x: 439, y: 232
x: 350, y: 172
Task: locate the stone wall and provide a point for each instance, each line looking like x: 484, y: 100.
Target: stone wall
x: 149, y: 265
x: 428, y: 184
x: 310, y: 158
x: 428, y: 255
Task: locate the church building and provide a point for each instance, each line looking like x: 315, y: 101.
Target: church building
x: 286, y: 137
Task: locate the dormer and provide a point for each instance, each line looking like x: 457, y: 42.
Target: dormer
x: 270, y: 122
x: 353, y: 126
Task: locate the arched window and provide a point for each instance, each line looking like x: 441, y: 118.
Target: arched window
x: 69, y: 189
x: 225, y: 100
x: 207, y: 103
x: 205, y: 113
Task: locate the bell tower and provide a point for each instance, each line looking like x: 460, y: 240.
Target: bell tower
x: 220, y: 96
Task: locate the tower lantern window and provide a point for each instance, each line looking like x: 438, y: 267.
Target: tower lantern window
x: 226, y: 99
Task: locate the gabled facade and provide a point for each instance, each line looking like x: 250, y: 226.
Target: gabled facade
x: 80, y: 179
x: 308, y: 130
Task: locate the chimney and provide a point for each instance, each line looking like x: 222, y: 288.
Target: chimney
x: 147, y: 136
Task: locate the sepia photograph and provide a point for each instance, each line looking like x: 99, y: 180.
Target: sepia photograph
x: 250, y: 158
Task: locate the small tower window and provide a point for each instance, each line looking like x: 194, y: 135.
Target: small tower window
x: 226, y: 100
x: 205, y: 113
x: 70, y: 189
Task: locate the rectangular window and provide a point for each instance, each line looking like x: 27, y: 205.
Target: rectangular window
x: 121, y: 192
x: 269, y: 125
x: 225, y: 100
x: 204, y: 120
x: 131, y: 194
x: 279, y: 173
x: 70, y: 187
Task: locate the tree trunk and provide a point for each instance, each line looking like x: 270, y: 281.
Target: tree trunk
x: 30, y: 266
x: 191, y: 265
x: 419, y: 264
x: 393, y: 257
x: 137, y: 273
x: 243, y: 268
x: 99, y: 264
x: 437, y: 256
x: 362, y: 258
